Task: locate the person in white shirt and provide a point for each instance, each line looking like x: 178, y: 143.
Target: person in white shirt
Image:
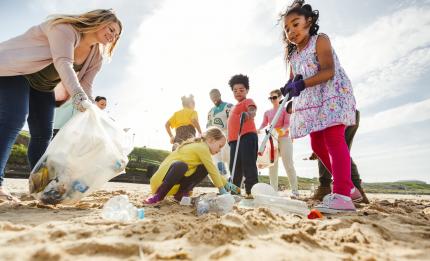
x: 217, y: 117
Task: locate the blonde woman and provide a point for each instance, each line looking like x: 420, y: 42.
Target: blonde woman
x: 65, y: 50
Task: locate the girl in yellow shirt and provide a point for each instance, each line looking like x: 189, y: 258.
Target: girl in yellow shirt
x: 187, y: 166
x: 185, y: 122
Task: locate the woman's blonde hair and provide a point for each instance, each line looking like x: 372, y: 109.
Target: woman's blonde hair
x: 89, y: 22
x: 213, y: 133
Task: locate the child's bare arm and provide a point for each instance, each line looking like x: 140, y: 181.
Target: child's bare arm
x: 167, y: 126
x: 197, y: 125
x: 325, y: 58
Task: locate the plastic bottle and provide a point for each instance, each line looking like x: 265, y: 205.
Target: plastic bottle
x: 266, y: 196
x: 215, y: 204
x: 222, y: 204
x: 202, y: 207
x: 281, y: 204
x: 119, y: 208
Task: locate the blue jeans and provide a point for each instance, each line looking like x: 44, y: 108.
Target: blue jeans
x: 17, y: 101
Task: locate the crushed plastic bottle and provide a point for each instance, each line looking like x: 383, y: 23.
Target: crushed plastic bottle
x: 202, y: 207
x: 219, y: 205
x: 119, y: 208
x: 265, y: 196
x: 281, y: 204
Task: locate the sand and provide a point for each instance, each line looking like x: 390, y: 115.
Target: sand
x: 392, y: 227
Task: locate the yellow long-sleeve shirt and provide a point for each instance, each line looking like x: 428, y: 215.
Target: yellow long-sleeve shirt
x: 193, y: 154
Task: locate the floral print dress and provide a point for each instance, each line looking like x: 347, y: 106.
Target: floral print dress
x: 324, y: 105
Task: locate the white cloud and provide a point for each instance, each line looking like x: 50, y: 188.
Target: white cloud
x: 405, y: 114
x: 403, y: 163
x: 69, y: 7
x: 178, y: 51
x: 394, y: 79
x: 386, y: 55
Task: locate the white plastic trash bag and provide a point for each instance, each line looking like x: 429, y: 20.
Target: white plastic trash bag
x: 86, y: 153
x: 270, y: 153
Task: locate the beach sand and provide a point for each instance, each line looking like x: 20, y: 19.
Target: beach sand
x: 392, y: 227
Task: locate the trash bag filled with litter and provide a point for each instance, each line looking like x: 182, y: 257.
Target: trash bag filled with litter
x: 85, y: 154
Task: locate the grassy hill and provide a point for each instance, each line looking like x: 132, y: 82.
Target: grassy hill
x: 398, y: 187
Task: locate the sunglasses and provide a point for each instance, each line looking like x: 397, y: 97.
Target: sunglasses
x: 273, y: 98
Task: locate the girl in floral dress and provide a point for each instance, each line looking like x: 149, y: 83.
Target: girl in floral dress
x: 324, y: 103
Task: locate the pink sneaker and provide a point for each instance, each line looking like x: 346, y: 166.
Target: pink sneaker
x: 335, y: 203
x: 356, y: 195
x: 152, y: 200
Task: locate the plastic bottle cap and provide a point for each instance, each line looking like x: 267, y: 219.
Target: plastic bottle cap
x: 140, y: 213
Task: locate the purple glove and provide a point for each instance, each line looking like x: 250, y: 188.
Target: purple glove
x: 286, y: 89
x: 295, y: 88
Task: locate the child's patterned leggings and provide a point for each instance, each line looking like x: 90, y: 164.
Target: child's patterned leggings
x: 330, y: 146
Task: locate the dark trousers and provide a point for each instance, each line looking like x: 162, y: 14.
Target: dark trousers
x: 17, y: 101
x: 176, y: 175
x: 325, y: 176
x: 246, y: 163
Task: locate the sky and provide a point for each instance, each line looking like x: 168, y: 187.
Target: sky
x: 173, y: 48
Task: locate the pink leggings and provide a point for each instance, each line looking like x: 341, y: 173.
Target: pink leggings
x: 330, y: 147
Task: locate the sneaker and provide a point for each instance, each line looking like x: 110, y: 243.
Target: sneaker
x: 152, y: 200
x: 365, y: 200
x: 321, y: 192
x: 295, y: 194
x: 356, y: 195
x: 335, y: 203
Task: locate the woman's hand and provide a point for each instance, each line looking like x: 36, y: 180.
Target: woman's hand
x: 81, y: 101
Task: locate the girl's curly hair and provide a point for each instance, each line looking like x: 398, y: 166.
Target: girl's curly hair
x: 299, y: 7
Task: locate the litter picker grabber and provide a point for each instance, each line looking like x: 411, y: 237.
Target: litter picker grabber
x: 272, y: 125
x: 242, y: 120
x: 275, y: 119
